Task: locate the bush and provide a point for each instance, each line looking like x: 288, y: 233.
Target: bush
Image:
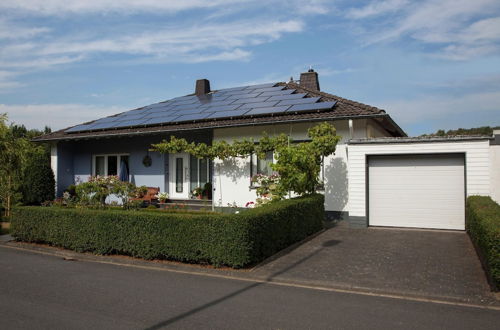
x: 235, y: 240
x: 483, y: 226
x: 38, y: 181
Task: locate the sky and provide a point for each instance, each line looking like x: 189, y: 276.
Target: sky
x: 431, y: 64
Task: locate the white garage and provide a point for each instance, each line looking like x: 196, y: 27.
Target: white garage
x: 419, y: 191
x: 416, y: 182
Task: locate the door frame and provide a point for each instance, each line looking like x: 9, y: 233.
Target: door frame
x: 173, y: 175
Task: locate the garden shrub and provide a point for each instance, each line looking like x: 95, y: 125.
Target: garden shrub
x: 38, y: 181
x: 483, y: 226
x: 234, y: 240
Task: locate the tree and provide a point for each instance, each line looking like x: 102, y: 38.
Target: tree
x: 38, y: 179
x: 12, y: 160
x: 484, y: 130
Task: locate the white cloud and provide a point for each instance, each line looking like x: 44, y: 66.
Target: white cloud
x: 9, y: 30
x: 438, y: 107
x: 61, y: 7
x: 376, y: 8
x: 56, y: 116
x: 7, y: 81
x: 459, y: 29
x: 209, y: 42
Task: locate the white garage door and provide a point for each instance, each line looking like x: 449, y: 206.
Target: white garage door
x: 420, y: 191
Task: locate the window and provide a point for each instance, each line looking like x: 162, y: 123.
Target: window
x: 262, y: 166
x: 199, y: 172
x: 105, y: 165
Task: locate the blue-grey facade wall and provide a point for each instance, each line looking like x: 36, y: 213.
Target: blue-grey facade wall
x: 75, y: 158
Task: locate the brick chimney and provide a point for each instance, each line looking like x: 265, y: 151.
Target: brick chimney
x: 202, y: 87
x: 309, y: 80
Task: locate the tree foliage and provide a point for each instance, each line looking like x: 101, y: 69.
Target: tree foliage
x: 17, y: 153
x: 484, y: 130
x: 298, y: 164
x: 38, y: 184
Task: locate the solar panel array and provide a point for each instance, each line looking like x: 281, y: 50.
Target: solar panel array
x: 244, y: 101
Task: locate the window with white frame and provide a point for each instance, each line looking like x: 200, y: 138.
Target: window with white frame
x: 106, y: 165
x: 262, y: 165
x: 200, y: 172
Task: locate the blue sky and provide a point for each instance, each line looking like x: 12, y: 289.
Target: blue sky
x: 431, y: 64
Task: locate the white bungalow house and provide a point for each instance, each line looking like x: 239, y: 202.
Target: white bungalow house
x: 376, y: 176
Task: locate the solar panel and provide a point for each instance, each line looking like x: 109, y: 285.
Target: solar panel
x: 226, y: 103
x: 253, y: 100
x: 312, y: 106
x: 306, y: 100
x: 78, y: 128
x: 105, y: 120
x: 221, y: 108
x: 212, y: 97
x: 269, y: 110
x: 280, y: 92
x: 216, y: 103
x: 242, y: 96
x: 182, y: 112
x: 286, y: 97
x: 268, y: 89
x: 188, y: 101
x: 127, y: 123
x: 163, y: 109
x: 100, y: 126
x: 130, y: 116
x: 232, y: 89
x: 194, y: 116
x: 239, y: 92
x: 258, y: 105
x: 160, y: 120
x: 186, y: 107
x: 223, y: 114
x: 166, y: 113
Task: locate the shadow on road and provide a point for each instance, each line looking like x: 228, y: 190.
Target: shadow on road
x: 193, y: 311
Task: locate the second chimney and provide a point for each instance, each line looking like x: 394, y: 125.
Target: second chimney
x: 309, y: 80
x: 202, y: 87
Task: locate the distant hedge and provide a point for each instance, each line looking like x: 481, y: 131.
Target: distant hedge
x: 235, y: 240
x: 483, y: 226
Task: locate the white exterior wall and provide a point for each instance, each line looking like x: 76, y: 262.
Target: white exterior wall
x: 53, y: 162
x: 232, y: 177
x: 477, y: 161
x: 495, y: 172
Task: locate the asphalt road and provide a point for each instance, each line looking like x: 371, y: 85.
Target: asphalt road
x: 46, y: 292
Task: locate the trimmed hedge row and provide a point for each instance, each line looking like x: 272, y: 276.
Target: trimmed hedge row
x: 221, y: 239
x: 483, y: 226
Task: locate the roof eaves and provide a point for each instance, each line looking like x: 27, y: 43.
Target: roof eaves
x: 269, y: 121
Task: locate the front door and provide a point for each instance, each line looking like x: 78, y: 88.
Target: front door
x: 179, y: 176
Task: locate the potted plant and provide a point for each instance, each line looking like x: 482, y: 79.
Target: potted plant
x: 197, y: 192
x: 162, y: 197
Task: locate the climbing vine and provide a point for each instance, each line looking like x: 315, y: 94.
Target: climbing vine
x: 298, y: 164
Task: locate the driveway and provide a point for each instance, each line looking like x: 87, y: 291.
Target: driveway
x: 420, y: 263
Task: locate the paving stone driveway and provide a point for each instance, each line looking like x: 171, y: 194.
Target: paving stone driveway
x: 432, y: 264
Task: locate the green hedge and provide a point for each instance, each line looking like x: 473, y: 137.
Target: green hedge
x: 483, y: 226
x: 220, y: 239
